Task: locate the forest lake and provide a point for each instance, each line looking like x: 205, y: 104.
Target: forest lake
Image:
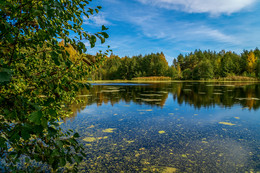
x: 169, y: 127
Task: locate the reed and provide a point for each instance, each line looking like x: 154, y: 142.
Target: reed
x: 153, y: 78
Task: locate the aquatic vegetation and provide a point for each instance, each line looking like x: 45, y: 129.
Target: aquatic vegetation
x: 90, y: 127
x: 226, y: 123
x: 109, y: 130
x: 89, y: 139
x: 170, y: 138
x: 161, y: 132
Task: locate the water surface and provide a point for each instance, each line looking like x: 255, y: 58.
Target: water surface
x: 169, y: 127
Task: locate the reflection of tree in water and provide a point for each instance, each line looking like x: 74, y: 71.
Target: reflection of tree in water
x: 195, y: 94
x: 223, y: 94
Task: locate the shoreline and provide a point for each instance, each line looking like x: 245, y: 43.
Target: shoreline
x: 167, y: 81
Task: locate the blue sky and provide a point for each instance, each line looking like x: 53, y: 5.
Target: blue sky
x: 176, y: 26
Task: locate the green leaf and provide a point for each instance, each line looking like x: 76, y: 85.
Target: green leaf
x: 59, y: 143
x: 5, y: 77
x: 25, y: 133
x: 105, y: 34
x: 104, y: 28
x: 77, y: 158
x: 35, y: 117
x: 62, y: 162
x: 76, y: 135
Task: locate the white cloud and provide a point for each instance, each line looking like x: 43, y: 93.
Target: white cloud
x: 213, y: 7
x: 156, y: 27
x: 96, y: 19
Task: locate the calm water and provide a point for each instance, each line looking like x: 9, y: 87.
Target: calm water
x: 169, y: 127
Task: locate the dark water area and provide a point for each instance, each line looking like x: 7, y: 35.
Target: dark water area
x: 169, y: 127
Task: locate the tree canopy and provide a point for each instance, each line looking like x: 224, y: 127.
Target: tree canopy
x: 196, y: 65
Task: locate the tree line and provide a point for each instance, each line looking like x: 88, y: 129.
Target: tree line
x: 196, y: 65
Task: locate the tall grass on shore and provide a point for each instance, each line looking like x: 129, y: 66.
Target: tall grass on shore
x: 152, y: 78
x: 238, y: 78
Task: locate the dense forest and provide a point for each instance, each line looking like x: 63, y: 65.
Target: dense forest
x: 193, y: 66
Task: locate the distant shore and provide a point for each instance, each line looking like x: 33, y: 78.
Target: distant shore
x: 166, y: 79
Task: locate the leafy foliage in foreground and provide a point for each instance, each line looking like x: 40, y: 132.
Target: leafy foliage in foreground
x: 39, y: 78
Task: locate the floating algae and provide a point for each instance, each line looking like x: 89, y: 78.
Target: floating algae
x: 169, y: 170
x: 109, y: 130
x: 226, y: 123
x: 90, y: 127
x: 184, y: 155
x: 93, y: 139
x: 161, y: 132
x: 89, y: 139
x: 237, y: 118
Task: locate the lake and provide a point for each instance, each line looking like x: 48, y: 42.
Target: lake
x: 169, y: 127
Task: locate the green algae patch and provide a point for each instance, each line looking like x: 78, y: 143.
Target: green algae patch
x: 89, y: 139
x: 237, y: 118
x: 109, y: 130
x: 226, y: 123
x: 90, y: 127
x: 169, y: 170
x: 161, y: 132
x: 184, y: 155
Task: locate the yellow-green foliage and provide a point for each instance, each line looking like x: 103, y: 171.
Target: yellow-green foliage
x: 251, y: 61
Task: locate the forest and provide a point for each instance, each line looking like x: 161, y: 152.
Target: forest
x: 197, y: 65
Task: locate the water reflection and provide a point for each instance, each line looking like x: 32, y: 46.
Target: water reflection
x: 169, y: 127
x: 195, y: 94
